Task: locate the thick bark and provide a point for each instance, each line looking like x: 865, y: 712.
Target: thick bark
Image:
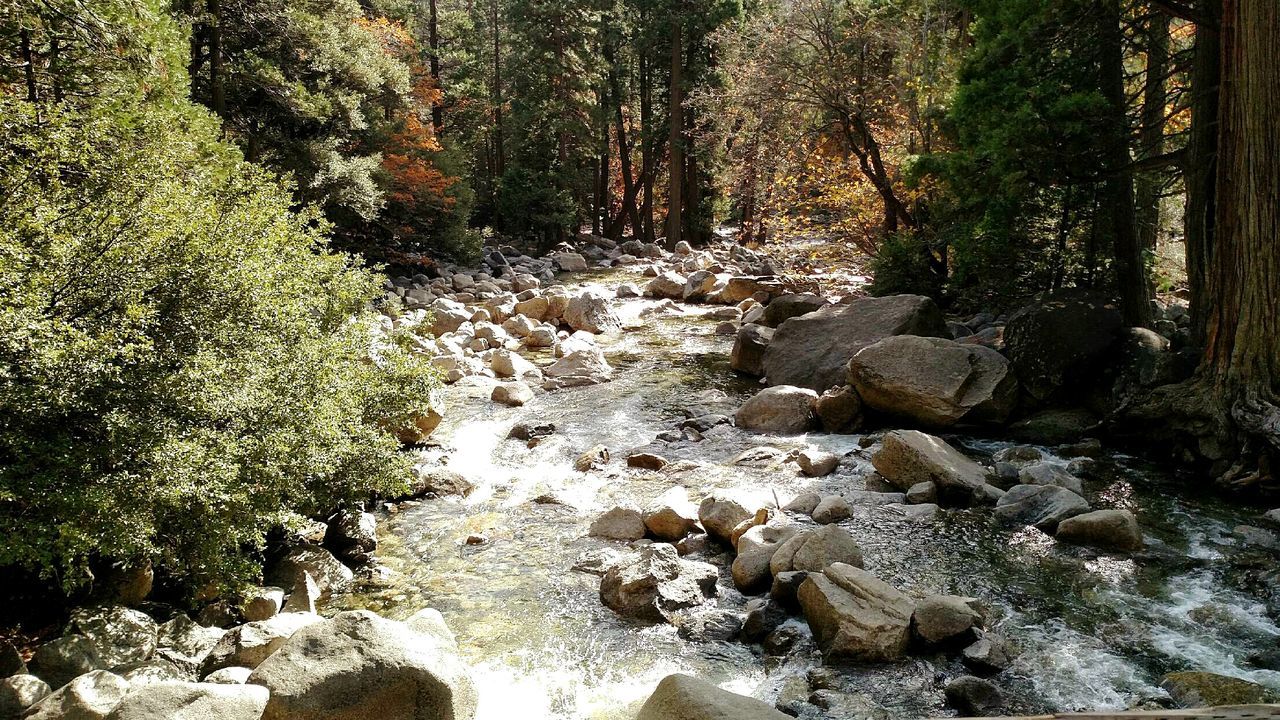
x: 1130, y: 273
x: 603, y: 168
x: 1242, y: 352
x: 1201, y: 164
x: 676, y: 161
x: 1151, y: 133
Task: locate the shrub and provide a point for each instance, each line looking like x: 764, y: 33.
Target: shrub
x: 183, y: 363
x: 901, y: 265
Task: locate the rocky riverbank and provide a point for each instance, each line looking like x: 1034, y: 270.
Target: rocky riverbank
x: 606, y: 497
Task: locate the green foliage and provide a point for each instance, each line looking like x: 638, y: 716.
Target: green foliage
x: 182, y: 362
x: 902, y: 266
x: 1021, y: 191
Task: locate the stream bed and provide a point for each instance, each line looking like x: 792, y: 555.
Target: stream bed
x: 1093, y: 630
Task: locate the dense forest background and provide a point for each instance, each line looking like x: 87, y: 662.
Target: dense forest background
x: 182, y: 182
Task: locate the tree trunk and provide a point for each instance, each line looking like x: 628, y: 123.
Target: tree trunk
x: 603, y: 168
x: 217, y: 81
x: 433, y: 45
x: 500, y: 159
x: 647, y: 169
x: 675, y: 187
x: 1130, y: 274
x: 1242, y: 355
x: 1202, y: 162
x: 29, y: 65
x: 629, y: 183
x: 1151, y: 134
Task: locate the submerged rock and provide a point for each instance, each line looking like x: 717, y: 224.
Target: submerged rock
x: 684, y: 697
x: 1108, y: 529
x: 1204, y: 689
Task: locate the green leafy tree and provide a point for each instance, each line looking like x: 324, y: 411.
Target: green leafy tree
x: 183, y: 363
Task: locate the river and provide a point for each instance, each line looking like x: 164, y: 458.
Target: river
x: 1093, y: 630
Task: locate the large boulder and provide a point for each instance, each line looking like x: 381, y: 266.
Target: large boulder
x: 756, y: 547
x: 61, y: 660
x: 1044, y: 506
x: 749, y: 346
x: 186, y: 641
x: 570, y: 261
x: 359, y: 665
x: 813, y: 350
x: 1059, y: 339
x: 592, y: 312
x: 781, y: 409
x: 816, y: 550
x: 191, y: 701
x: 655, y: 582
x: 785, y: 307
x: 908, y: 457
x: 839, y: 410
x: 88, y: 697
x: 855, y: 615
x: 1107, y: 529
x: 684, y: 697
x: 933, y: 381
x: 119, y: 635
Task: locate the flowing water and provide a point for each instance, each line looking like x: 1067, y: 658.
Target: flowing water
x: 1093, y: 630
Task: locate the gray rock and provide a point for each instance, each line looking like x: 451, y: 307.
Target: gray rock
x: 229, y: 676
x: 356, y: 665
x: 654, y: 582
x: 619, y: 523
x: 592, y: 312
x: 855, y: 615
x: 330, y: 575
x: 945, y: 618
x: 1043, y: 473
x: 933, y: 381
x: 669, y: 285
x: 684, y: 697
x: 88, y: 697
x: 512, y: 394
x: 1043, y: 506
x: 908, y: 457
x: 839, y: 410
x: 923, y: 492
x: 1054, y: 427
x: 188, y: 639
x: 785, y: 307
x: 756, y: 548
x: 63, y: 659
x: 19, y: 692
x: 262, y: 602
x: 191, y: 701
x: 816, y: 550
x: 671, y: 516
x: 749, y: 346
x: 832, y: 509
x: 804, y: 503
x: 249, y: 644
x: 720, y: 514
x: 11, y: 662
x: 1059, y: 339
x: 813, y: 350
x: 780, y: 409
x: 305, y: 595
x: 973, y: 695
x: 989, y: 655
x: 816, y: 463
x: 1108, y: 529
x: 119, y: 635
